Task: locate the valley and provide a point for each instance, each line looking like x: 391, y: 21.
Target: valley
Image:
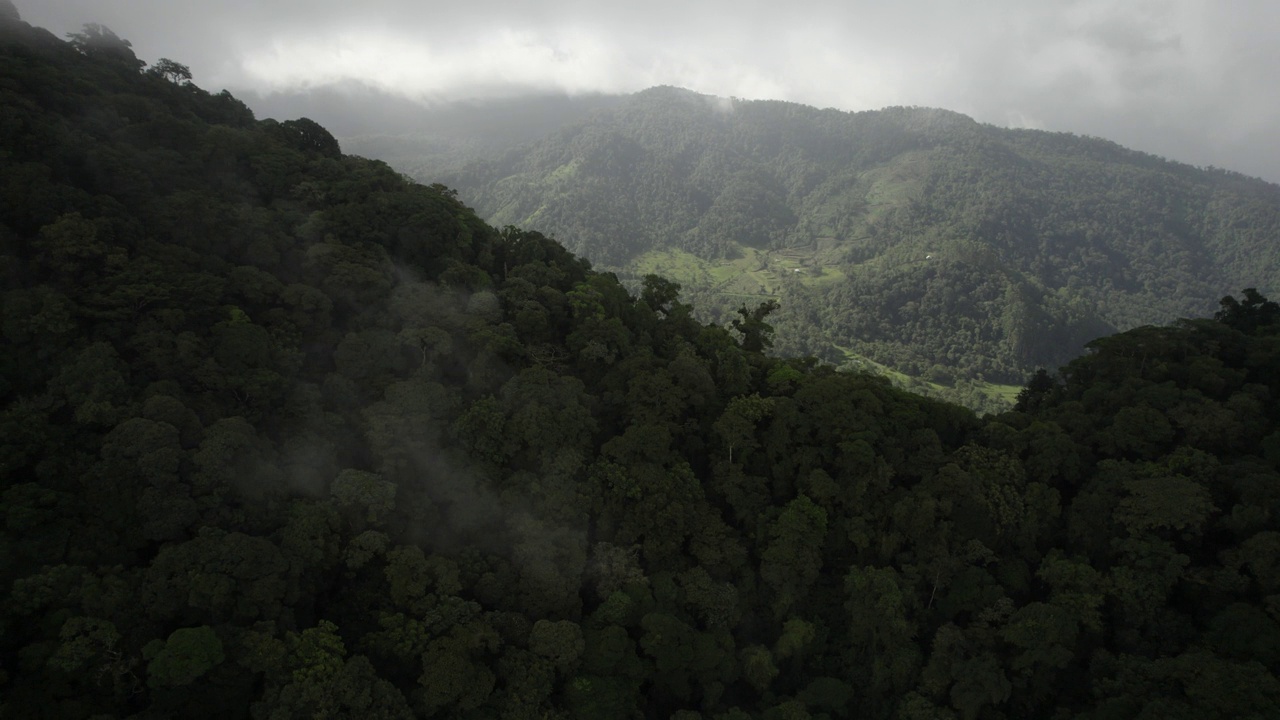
x: 911, y: 238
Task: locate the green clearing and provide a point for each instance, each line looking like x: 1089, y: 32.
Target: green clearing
x: 860, y: 362
x: 996, y: 396
x: 1008, y: 393
x: 752, y: 272
x: 896, y: 182
x: 566, y: 171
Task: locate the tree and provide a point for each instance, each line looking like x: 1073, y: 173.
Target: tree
x: 98, y: 42
x: 306, y: 135
x: 757, y: 335
x: 591, y: 696
x: 365, y: 495
x: 1141, y: 432
x: 738, y: 423
x: 792, y: 561
x: 94, y: 385
x: 797, y: 635
x: 324, y: 683
x: 1076, y: 587
x: 1164, y: 502
x: 551, y: 562
x: 827, y: 693
x: 87, y: 644
x: 670, y: 642
x: 615, y: 567
x: 1038, y: 387
x: 559, y: 641
x: 758, y: 667
x: 220, y: 576
x: 979, y: 682
x: 527, y: 683
x: 1045, y: 635
x: 174, y: 72
x: 451, y: 676
x: 1255, y: 312
x: 662, y: 296
x: 881, y: 632
x: 184, y: 657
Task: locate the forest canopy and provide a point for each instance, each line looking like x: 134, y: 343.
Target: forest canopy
x: 285, y: 434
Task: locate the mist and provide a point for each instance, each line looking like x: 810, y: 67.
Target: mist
x: 1182, y: 79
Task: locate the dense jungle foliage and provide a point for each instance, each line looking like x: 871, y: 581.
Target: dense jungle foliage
x: 912, y: 237
x: 284, y: 434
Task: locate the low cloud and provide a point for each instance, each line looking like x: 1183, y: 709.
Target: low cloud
x: 1180, y: 78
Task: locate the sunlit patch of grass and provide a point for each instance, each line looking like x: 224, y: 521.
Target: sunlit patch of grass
x: 676, y: 265
x: 1007, y: 393
x: 823, y: 276
x: 991, y: 397
x: 565, y: 172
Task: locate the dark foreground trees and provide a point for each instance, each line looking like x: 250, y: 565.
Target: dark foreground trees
x: 284, y: 435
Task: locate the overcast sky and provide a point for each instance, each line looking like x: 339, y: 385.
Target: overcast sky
x: 1195, y: 81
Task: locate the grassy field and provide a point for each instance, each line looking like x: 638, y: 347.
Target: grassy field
x: 752, y: 272
x: 1006, y: 393
x: 994, y: 397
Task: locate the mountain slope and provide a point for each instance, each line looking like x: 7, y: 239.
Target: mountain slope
x: 911, y: 236
x: 285, y: 435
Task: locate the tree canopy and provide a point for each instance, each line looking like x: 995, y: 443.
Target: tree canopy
x: 285, y: 434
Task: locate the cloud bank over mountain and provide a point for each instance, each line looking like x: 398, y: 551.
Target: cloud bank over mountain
x: 1188, y: 80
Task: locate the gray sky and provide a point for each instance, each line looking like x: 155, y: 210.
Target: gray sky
x: 1192, y: 80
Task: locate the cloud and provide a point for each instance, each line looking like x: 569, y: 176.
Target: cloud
x: 566, y: 60
x: 1182, y: 78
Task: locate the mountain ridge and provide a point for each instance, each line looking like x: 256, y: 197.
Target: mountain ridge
x: 729, y: 196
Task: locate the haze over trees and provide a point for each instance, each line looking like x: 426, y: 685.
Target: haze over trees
x: 284, y: 434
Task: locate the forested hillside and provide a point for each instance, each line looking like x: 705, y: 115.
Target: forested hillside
x: 286, y: 435
x: 911, y: 237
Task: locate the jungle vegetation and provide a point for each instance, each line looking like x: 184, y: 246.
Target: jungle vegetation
x: 285, y: 434
x: 948, y: 254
